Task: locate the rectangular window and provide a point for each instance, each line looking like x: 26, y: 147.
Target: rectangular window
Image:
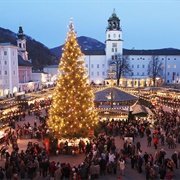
x: 132, y: 58
x: 13, y: 62
x: 142, y: 73
x: 97, y: 65
x: 168, y: 73
x: 112, y: 49
x: 86, y: 65
x: 92, y: 73
x: 132, y: 73
x: 103, y: 73
x: 5, y: 72
x: 0, y: 72
x: 5, y: 62
x: 97, y: 73
x: 103, y: 65
x: 6, y: 81
x: 168, y: 66
x: 92, y: 65
x: 114, y: 45
x: 174, y: 58
x: 137, y: 58
x: 138, y: 66
x: 138, y: 73
x: 5, y: 53
x: 132, y: 65
x: 14, y: 72
x: 112, y: 57
x: 162, y: 58
x: 143, y: 58
x: 115, y: 49
x: 168, y: 58
x: 115, y: 56
x: 143, y: 66
x: 174, y: 66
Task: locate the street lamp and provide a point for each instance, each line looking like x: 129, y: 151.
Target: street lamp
x: 111, y: 74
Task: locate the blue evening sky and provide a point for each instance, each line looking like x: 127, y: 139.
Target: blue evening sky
x: 146, y: 24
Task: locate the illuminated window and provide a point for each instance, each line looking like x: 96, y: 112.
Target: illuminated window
x: 174, y: 66
x: 168, y: 66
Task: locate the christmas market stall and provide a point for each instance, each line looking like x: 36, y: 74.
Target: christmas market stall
x: 114, y: 103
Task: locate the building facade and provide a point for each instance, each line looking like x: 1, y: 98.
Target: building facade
x: 9, y: 80
x: 97, y: 62
x: 26, y: 82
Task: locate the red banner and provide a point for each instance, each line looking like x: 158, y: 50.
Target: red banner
x: 47, y: 145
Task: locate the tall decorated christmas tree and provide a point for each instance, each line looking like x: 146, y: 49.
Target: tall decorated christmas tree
x: 72, y: 113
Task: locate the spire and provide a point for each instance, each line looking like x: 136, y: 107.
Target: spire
x: 114, y: 11
x: 114, y: 22
x: 20, y: 33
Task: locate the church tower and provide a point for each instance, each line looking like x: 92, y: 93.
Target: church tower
x: 114, y: 42
x: 21, y: 43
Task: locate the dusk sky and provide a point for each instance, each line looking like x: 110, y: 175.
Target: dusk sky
x: 146, y: 24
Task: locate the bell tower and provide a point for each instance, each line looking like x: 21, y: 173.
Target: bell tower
x: 114, y: 40
x: 21, y: 43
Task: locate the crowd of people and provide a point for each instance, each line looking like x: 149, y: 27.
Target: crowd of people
x: 102, y: 156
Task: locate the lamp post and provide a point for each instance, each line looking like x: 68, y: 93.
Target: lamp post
x: 111, y: 76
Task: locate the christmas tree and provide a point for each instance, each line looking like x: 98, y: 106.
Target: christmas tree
x: 72, y: 113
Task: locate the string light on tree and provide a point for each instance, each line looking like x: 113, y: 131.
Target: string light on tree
x: 72, y: 113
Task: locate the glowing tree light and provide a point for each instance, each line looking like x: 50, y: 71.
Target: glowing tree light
x: 72, y: 113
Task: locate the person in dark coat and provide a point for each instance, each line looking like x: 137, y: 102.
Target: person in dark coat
x: 138, y: 146
x: 162, y: 172
x: 140, y: 163
x: 133, y: 161
x: 22, y: 168
x: 175, y: 159
x: 1, y: 173
x: 102, y: 164
x: 82, y: 172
